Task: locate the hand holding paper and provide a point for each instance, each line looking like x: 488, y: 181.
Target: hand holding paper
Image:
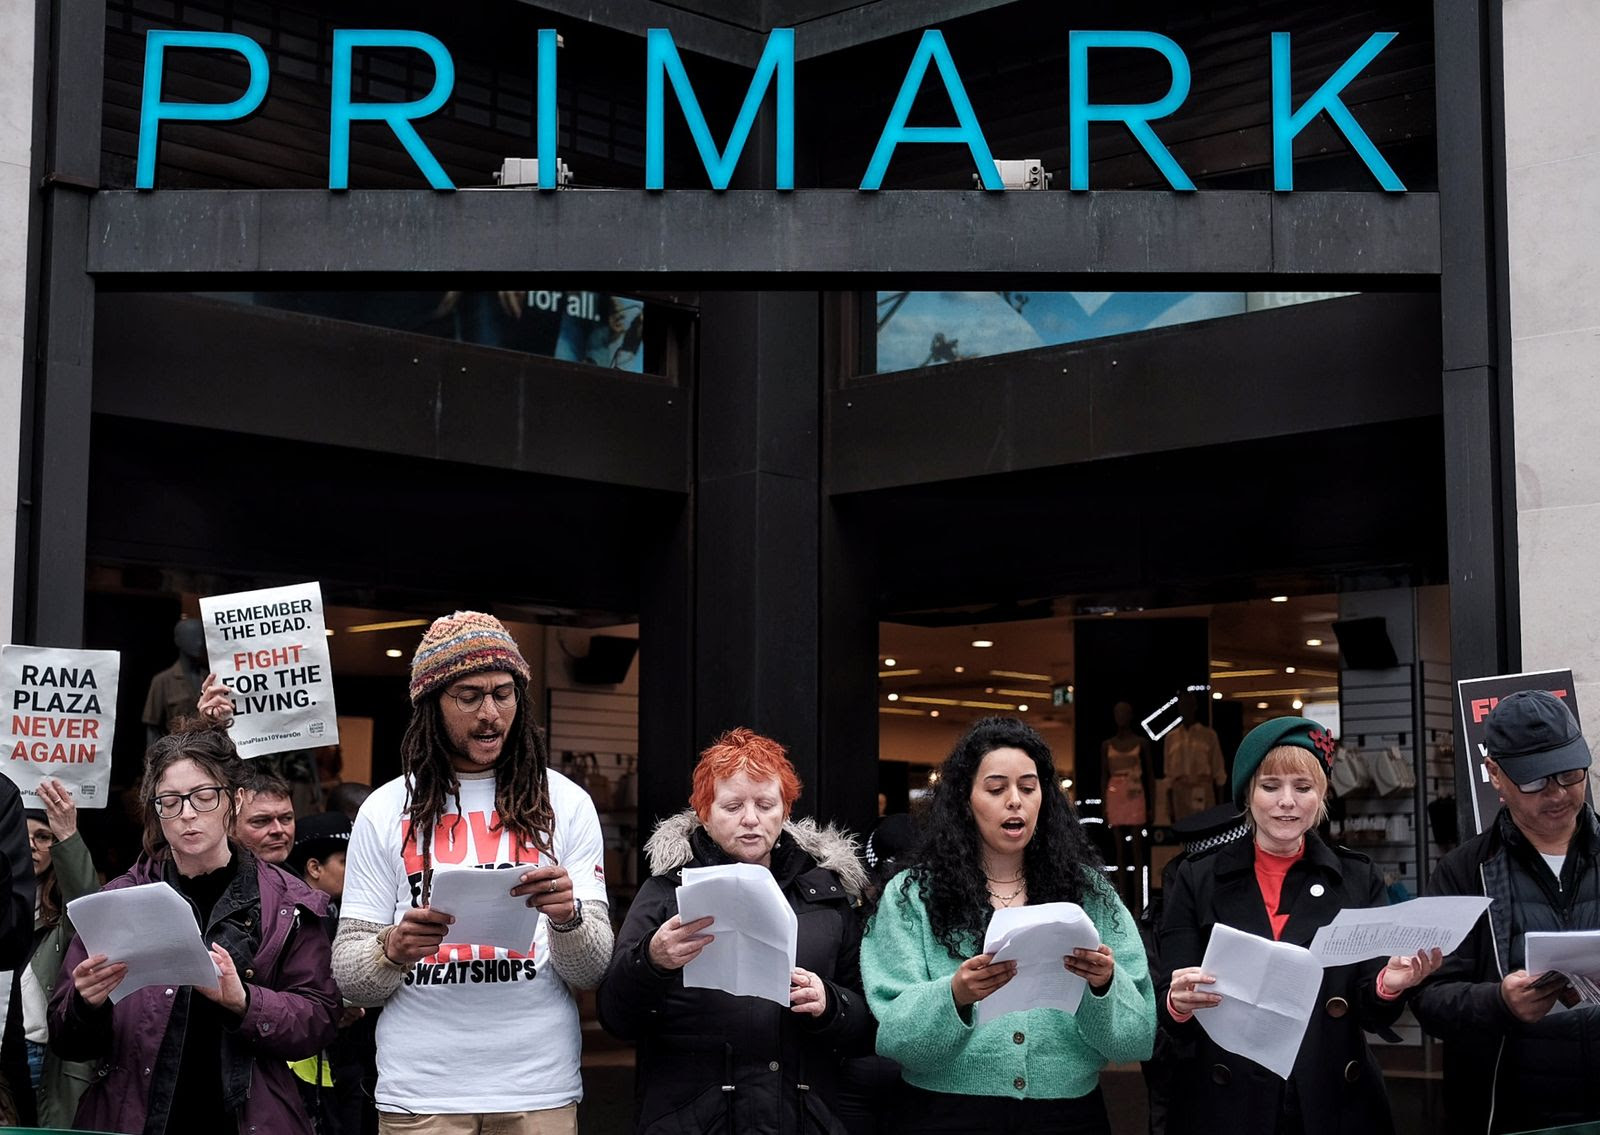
x: 1268, y: 991
x: 753, y: 952
x: 1038, y: 939
x: 150, y: 931
x: 1406, y: 928
x: 485, y: 911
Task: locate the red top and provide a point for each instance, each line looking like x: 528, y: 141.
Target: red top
x: 1270, y: 872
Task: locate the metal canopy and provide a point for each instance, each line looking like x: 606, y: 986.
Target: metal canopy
x: 762, y: 238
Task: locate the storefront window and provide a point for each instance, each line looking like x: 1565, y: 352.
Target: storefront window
x: 602, y: 329
x: 920, y: 329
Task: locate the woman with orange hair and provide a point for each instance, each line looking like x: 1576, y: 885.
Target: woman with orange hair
x: 709, y: 1061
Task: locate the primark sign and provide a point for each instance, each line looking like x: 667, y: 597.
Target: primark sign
x: 774, y: 76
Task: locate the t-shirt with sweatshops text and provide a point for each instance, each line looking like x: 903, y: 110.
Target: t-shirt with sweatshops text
x: 473, y: 1029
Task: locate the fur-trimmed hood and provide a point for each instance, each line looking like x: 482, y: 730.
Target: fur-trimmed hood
x: 669, y: 848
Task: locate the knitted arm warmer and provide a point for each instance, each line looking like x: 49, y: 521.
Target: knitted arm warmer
x: 365, y: 977
x: 582, y: 954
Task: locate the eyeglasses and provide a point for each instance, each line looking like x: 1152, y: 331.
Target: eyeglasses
x: 470, y: 698
x: 1564, y: 779
x: 43, y: 838
x: 170, y: 804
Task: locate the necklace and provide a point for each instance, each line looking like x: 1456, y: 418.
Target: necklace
x: 1003, y: 882
x: 1007, y: 900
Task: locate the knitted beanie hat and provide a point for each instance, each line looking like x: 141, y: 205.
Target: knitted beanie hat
x: 467, y: 642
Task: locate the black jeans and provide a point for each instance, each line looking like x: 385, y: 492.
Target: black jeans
x: 925, y: 1111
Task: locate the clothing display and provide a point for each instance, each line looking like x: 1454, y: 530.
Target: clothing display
x: 1125, y: 804
x: 1194, y: 768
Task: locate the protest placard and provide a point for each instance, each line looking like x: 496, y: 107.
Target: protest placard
x: 1475, y: 698
x: 270, y: 648
x: 61, y: 710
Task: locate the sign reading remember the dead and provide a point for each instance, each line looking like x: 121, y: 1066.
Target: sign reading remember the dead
x: 271, y: 649
x: 61, y: 708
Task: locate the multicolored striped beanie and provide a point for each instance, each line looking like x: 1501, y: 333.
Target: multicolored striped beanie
x: 467, y: 642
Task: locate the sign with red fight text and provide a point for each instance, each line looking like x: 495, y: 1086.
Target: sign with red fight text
x: 61, y: 708
x: 1476, y: 697
x: 270, y: 647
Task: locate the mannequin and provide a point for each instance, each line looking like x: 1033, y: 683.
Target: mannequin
x: 1125, y: 761
x: 175, y: 691
x: 1194, y: 768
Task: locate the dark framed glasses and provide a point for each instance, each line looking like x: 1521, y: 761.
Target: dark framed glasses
x: 471, y: 698
x: 170, y: 804
x: 1564, y: 779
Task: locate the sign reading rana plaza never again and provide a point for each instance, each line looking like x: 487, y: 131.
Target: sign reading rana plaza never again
x: 775, y: 70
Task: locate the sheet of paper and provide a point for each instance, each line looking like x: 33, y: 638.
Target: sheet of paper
x: 755, y: 931
x: 1037, y: 938
x: 1575, y: 954
x: 150, y: 929
x: 1268, y: 989
x: 486, y: 914
x: 1355, y: 935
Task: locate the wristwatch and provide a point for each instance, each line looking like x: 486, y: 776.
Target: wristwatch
x: 572, y: 923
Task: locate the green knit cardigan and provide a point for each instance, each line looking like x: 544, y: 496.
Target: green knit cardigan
x: 1034, y: 1054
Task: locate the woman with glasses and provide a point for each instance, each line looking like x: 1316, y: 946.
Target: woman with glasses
x: 180, y: 1058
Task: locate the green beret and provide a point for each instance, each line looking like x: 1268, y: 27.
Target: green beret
x: 1300, y: 732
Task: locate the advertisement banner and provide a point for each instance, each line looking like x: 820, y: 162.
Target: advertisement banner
x: 1475, y: 698
x: 270, y: 648
x: 61, y: 708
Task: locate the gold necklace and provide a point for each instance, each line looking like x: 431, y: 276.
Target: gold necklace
x: 1007, y: 900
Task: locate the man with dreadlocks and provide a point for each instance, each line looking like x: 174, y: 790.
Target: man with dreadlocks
x: 472, y: 1037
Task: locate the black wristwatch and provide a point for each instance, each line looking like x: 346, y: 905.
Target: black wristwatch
x: 572, y: 923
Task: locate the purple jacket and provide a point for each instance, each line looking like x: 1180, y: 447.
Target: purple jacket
x: 293, y: 1013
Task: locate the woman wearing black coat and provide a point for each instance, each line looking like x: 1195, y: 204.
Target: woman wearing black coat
x: 709, y: 1062
x: 1282, y: 883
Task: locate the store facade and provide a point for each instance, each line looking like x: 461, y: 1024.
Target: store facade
x: 240, y: 376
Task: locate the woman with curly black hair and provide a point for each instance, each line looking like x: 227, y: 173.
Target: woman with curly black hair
x: 1001, y: 834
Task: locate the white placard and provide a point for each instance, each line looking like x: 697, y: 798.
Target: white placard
x: 61, y: 708
x: 270, y: 648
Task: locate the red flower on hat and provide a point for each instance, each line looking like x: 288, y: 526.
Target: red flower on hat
x: 1323, y: 740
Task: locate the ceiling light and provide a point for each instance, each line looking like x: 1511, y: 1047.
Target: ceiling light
x: 1020, y: 674
x: 1022, y: 709
x: 888, y: 661
x: 961, y: 669
x: 933, y: 777
x: 1280, y: 598
x: 983, y: 643
x: 393, y: 653
x: 1107, y: 614
x: 1313, y: 642
x: 1216, y: 695
x: 933, y: 713
x: 1288, y: 669
x: 903, y: 672
x: 328, y: 632
x: 1242, y: 673
x: 1298, y: 704
x: 398, y: 624
x: 1041, y: 694
x: 900, y: 712
x: 1261, y: 705
x: 894, y: 697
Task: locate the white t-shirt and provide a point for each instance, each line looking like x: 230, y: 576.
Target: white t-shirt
x: 473, y: 1029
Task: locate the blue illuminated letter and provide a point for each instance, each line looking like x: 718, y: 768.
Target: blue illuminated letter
x: 546, y: 128
x: 895, y: 131
x: 1286, y: 122
x: 397, y: 114
x: 152, y: 110
x: 1137, y: 116
x: 662, y: 61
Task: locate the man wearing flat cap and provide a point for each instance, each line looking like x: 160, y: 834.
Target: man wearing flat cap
x: 1516, y: 1057
x: 473, y: 1037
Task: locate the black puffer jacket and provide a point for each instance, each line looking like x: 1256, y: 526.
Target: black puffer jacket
x: 695, y: 1044
x: 1336, y: 1087
x: 1500, y: 1074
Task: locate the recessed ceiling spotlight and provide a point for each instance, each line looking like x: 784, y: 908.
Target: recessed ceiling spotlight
x: 393, y: 653
x: 1216, y: 695
x: 894, y: 697
x: 1262, y: 705
x: 1313, y: 642
x: 1298, y: 704
x: 933, y: 713
x: 961, y: 669
x: 888, y: 661
x: 983, y: 643
x: 328, y: 632
x: 1288, y: 669
x: 1280, y: 598
x: 1022, y: 709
